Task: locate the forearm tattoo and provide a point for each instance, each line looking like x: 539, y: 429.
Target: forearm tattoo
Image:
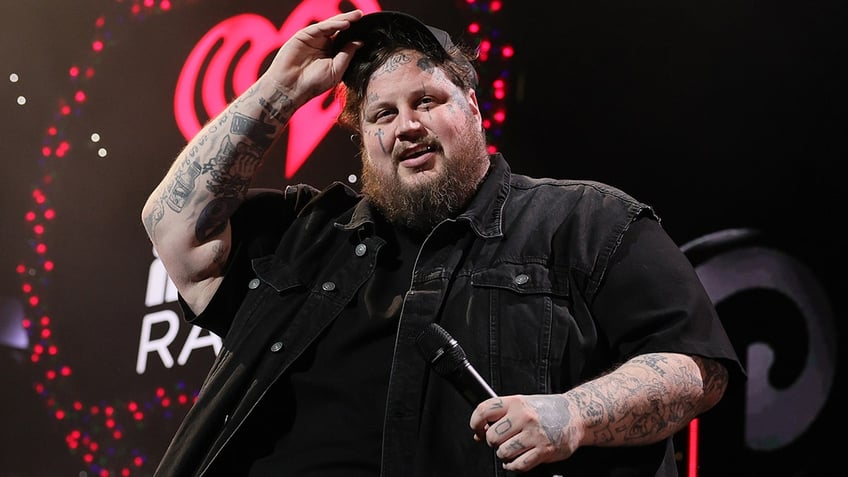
x: 657, y: 386
x: 230, y: 172
x: 715, y: 376
x: 231, y: 167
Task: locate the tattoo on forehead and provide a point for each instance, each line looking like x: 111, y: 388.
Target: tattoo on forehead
x: 395, y: 62
x: 371, y: 98
x: 426, y: 64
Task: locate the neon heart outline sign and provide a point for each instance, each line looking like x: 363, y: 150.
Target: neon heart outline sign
x: 258, y: 38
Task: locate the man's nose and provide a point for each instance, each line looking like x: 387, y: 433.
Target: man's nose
x: 409, y: 123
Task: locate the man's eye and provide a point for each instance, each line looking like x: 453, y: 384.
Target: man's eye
x: 382, y: 114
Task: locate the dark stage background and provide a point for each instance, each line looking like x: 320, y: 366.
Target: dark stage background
x: 728, y: 116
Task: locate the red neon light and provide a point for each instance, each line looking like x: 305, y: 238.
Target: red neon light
x: 309, y: 125
x: 693, y: 448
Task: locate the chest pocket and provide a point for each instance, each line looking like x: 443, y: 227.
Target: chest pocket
x: 271, y: 284
x: 528, y: 309
x: 278, y: 275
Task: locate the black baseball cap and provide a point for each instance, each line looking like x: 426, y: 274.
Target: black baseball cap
x: 377, y: 28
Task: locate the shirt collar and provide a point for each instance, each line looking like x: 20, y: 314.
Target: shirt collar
x: 484, y: 213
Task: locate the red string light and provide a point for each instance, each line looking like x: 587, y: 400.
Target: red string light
x: 102, y: 443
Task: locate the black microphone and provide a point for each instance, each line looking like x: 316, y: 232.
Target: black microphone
x: 448, y: 360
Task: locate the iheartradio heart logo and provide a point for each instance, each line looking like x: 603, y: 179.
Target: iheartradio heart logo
x: 233, y: 53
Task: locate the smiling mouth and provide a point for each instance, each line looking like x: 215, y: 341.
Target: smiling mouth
x: 417, y: 152
x: 418, y: 159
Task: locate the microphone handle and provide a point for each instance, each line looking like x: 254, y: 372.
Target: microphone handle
x: 470, y: 384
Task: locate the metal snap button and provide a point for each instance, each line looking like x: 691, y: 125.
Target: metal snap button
x: 328, y: 286
x: 253, y: 284
x: 360, y: 250
x: 521, y: 279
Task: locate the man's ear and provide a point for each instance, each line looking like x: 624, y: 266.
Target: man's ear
x: 475, y: 108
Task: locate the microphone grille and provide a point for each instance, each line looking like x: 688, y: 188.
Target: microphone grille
x: 439, y: 349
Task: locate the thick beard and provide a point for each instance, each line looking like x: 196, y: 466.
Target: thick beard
x: 421, y: 207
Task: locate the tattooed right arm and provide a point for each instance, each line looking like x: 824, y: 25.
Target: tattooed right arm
x: 187, y: 217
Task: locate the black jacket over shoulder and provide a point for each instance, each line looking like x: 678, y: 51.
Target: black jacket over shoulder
x: 513, y: 278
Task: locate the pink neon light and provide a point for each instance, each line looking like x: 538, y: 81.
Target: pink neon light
x: 693, y: 448
x: 307, y: 127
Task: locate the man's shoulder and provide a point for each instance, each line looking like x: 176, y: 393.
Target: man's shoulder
x: 570, y: 188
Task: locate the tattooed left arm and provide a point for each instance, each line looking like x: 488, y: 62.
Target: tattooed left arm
x: 648, y: 398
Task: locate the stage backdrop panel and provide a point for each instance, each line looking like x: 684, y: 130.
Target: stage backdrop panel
x: 726, y: 116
